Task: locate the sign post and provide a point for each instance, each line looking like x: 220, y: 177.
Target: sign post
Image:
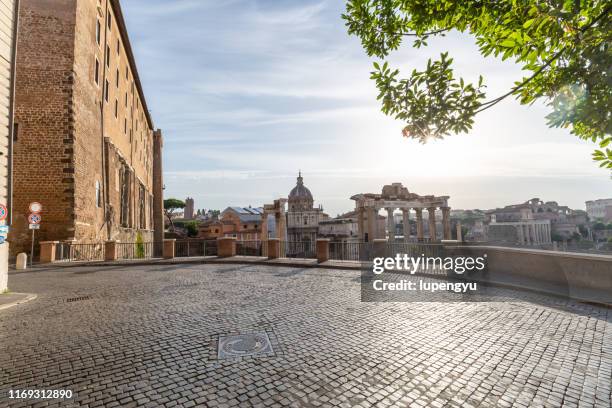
x: 34, y: 220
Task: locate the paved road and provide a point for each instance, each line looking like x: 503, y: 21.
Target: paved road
x: 147, y: 336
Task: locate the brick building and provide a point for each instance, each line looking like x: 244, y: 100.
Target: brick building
x: 85, y: 147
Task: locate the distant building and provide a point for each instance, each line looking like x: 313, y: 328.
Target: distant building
x: 344, y: 228
x: 242, y: 223
x: 302, y: 217
x: 600, y: 210
x: 189, y: 209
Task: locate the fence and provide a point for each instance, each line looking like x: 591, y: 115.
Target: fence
x: 139, y: 250
x: 249, y: 248
x: 69, y: 252
x: 350, y: 251
x: 195, y: 247
x: 298, y: 249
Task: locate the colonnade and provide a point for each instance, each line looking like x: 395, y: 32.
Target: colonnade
x: 368, y: 224
x: 532, y: 233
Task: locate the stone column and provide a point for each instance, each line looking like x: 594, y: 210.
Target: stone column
x: 371, y: 224
x: 459, y: 232
x: 273, y: 248
x: 168, y: 249
x: 226, y: 247
x: 431, y: 211
x: 47, y: 251
x: 281, y: 225
x: 322, y: 250
x: 419, y: 223
x: 534, y: 238
x: 158, y: 189
x: 110, y: 250
x: 519, y: 233
x: 406, y: 223
x: 390, y: 224
x: 446, y: 222
x: 360, y: 223
x: 264, y: 226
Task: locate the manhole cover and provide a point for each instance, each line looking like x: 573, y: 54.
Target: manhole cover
x: 241, y: 345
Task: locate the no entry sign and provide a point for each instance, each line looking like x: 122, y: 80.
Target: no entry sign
x: 34, y: 219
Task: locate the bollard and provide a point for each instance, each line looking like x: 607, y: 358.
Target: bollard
x: 226, y: 247
x: 322, y: 250
x: 273, y: 248
x: 22, y: 261
x: 168, y: 250
x: 110, y: 250
x: 47, y: 251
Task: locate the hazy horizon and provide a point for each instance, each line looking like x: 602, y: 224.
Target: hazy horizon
x: 249, y: 92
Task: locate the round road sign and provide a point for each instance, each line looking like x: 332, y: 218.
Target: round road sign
x: 34, y: 219
x: 3, y: 212
x: 35, y: 207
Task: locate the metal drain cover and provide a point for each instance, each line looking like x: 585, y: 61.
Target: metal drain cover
x: 241, y: 345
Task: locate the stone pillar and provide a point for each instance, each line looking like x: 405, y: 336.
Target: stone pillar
x: 459, y: 232
x: 22, y: 262
x: 158, y: 189
x: 110, y: 250
x: 47, y: 251
x: 273, y: 248
x: 446, y: 222
x: 431, y: 211
x: 519, y: 232
x: 534, y: 238
x: 226, y: 247
x: 361, y: 223
x: 419, y: 223
x: 371, y: 224
x: 379, y: 247
x: 281, y: 225
x: 406, y: 223
x: 168, y: 249
x: 264, y: 226
x: 527, y: 234
x: 322, y: 250
x: 390, y: 224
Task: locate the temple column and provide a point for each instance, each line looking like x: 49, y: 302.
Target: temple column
x: 360, y: 223
x: 520, y: 237
x: 432, y: 223
x: 406, y: 223
x: 371, y: 214
x: 419, y: 223
x: 390, y: 224
x: 446, y: 222
x: 281, y: 225
x: 264, y: 226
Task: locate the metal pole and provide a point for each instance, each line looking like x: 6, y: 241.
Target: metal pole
x: 32, y: 252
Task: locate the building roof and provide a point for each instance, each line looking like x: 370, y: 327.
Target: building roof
x: 246, y: 214
x: 300, y: 191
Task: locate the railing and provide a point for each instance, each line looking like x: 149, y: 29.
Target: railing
x: 249, y: 248
x: 195, y: 247
x: 139, y: 250
x: 350, y: 251
x: 68, y: 252
x: 298, y: 249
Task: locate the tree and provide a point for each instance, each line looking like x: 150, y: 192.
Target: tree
x: 171, y: 205
x: 564, y: 46
x: 192, y: 228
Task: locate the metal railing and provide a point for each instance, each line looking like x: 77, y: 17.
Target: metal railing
x: 350, y: 251
x: 298, y: 249
x: 195, y: 247
x: 139, y: 250
x: 69, y: 252
x: 249, y: 248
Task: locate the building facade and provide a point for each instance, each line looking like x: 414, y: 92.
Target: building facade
x: 302, y: 217
x: 600, y: 210
x: 189, y: 213
x: 8, y: 29
x: 85, y: 147
x: 242, y: 223
x: 344, y: 228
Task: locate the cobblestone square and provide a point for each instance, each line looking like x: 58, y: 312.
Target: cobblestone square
x: 148, y: 335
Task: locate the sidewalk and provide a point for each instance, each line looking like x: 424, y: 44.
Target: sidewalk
x: 13, y: 299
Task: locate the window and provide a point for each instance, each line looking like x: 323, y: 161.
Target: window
x: 98, y: 195
x: 116, y: 108
x: 127, y: 73
x: 109, y: 20
x: 97, y: 72
x: 125, y: 126
x: 118, y: 46
x: 98, y: 31
x: 141, y: 208
x: 124, y: 197
x: 126, y: 100
x: 107, y: 56
x: 106, y: 90
x: 117, y: 79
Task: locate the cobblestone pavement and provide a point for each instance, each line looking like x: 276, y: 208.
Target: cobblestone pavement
x: 146, y: 336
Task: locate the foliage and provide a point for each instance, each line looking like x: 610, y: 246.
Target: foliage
x: 170, y: 205
x: 140, y: 249
x: 599, y: 226
x: 556, y: 237
x: 564, y: 46
x: 192, y: 228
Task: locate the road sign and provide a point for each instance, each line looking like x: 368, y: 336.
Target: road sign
x: 3, y: 212
x: 35, y: 207
x: 2, y: 240
x: 34, y: 226
x: 4, y: 228
x: 34, y: 219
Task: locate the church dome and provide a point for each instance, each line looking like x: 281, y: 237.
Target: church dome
x: 300, y: 191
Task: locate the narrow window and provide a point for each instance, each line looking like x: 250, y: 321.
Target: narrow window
x: 125, y: 126
x: 127, y: 73
x: 107, y: 56
x: 116, y: 108
x: 126, y: 100
x: 118, y: 47
x: 98, y: 31
x: 106, y: 90
x: 98, y: 195
x: 97, y: 72
x: 117, y: 79
x: 109, y: 19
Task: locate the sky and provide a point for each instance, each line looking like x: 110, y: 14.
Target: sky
x: 249, y: 92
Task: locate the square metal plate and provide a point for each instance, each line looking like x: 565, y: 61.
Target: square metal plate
x: 242, y: 345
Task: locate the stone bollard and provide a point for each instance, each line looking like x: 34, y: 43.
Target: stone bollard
x: 110, y: 250
x: 322, y: 250
x: 226, y: 247
x: 168, y: 250
x: 379, y: 247
x: 273, y: 248
x: 22, y: 261
x: 47, y: 251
